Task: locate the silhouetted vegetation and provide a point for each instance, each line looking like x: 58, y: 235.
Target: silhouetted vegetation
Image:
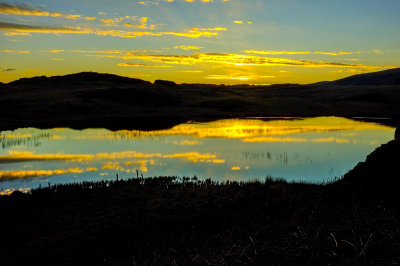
x: 187, y: 221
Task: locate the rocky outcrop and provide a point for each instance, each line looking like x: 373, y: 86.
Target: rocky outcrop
x: 378, y: 176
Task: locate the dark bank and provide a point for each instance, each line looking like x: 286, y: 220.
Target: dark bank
x: 185, y: 221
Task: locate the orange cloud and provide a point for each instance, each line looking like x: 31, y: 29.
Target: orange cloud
x: 27, y: 29
x: 230, y: 77
x: 54, y: 51
x: 241, y: 22
x: 110, y: 21
x: 9, y: 9
x: 333, y: 53
x: 188, y: 47
x: 140, y: 65
x: 11, y: 33
x: 274, y: 52
x: 294, y: 52
x: 21, y: 29
x: 97, y: 52
x: 223, y: 59
x: 376, y: 51
x: 128, y: 21
x: 16, y: 52
x: 194, y: 33
x: 191, y: 71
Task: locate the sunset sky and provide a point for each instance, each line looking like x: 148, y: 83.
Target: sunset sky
x: 200, y: 41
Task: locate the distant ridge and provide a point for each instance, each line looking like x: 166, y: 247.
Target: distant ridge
x: 90, y: 99
x: 385, y: 77
x: 81, y: 77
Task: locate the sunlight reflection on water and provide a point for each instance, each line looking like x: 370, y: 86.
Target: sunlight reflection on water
x: 313, y: 150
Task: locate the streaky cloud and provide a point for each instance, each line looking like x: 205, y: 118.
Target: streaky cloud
x: 223, y: 59
x: 274, y: 52
x: 140, y: 65
x: 22, y: 29
x: 40, y: 29
x: 22, y: 10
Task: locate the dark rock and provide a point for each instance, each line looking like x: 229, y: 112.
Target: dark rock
x: 377, y: 177
x: 397, y: 133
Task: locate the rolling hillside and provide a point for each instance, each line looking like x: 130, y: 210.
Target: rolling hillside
x: 91, y: 99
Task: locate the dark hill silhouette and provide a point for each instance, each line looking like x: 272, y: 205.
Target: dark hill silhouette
x: 89, y: 78
x: 386, y: 77
x: 164, y: 82
x: 90, y: 99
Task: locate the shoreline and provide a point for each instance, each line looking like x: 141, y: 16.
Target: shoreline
x: 164, y: 222
x: 160, y: 123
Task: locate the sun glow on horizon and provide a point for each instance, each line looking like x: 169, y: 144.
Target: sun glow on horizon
x: 229, y: 42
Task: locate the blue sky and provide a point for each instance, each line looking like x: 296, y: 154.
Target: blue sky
x: 235, y: 41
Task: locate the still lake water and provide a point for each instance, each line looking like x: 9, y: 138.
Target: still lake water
x: 313, y: 150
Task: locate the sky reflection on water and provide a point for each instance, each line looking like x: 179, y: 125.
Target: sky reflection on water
x: 312, y: 150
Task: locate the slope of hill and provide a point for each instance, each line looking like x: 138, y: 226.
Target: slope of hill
x: 91, y: 99
x: 386, y: 77
x: 377, y: 177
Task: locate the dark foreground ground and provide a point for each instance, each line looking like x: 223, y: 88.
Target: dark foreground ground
x: 170, y: 221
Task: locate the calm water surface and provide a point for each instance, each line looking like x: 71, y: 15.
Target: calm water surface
x: 313, y: 150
